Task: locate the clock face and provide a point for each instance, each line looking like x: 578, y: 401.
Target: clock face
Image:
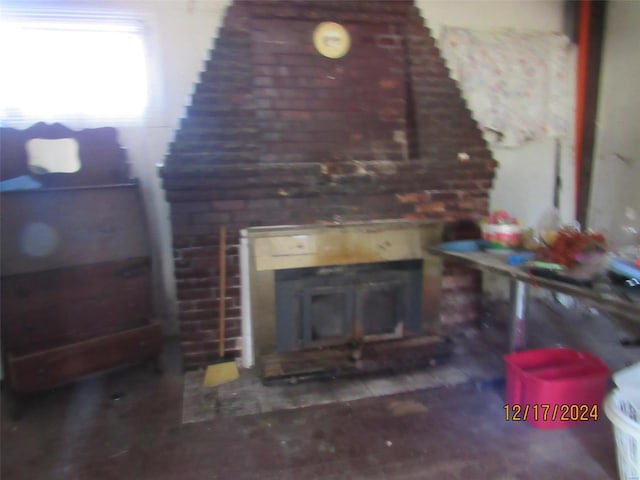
x: 331, y: 40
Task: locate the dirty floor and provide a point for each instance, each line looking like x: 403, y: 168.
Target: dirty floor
x: 445, y: 423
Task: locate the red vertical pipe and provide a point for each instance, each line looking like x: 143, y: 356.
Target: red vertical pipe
x: 581, y: 88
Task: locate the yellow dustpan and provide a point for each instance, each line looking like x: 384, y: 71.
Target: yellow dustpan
x: 224, y: 370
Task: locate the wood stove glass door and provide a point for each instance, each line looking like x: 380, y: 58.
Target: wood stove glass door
x: 380, y: 310
x: 327, y: 315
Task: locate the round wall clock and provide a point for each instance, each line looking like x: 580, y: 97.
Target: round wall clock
x: 331, y: 39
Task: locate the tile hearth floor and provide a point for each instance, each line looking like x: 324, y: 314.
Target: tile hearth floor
x: 248, y: 395
x: 130, y: 424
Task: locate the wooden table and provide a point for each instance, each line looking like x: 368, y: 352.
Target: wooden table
x: 603, y: 295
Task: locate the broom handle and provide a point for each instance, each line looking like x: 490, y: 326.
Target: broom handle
x: 223, y: 286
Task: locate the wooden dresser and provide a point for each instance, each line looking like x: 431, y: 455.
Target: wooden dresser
x: 76, y: 271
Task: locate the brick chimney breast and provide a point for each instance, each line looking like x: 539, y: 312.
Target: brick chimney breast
x: 275, y: 133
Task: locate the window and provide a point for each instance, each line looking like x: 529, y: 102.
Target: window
x: 59, y: 67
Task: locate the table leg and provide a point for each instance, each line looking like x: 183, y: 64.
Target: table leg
x: 517, y: 333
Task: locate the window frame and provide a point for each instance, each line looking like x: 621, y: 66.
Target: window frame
x: 132, y: 22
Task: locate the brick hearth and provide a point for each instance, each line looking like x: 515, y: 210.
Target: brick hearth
x: 277, y: 134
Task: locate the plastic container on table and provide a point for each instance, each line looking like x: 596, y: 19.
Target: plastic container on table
x: 502, y: 236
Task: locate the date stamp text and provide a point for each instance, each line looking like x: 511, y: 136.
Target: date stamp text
x: 564, y: 412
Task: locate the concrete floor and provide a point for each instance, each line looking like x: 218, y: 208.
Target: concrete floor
x: 129, y: 424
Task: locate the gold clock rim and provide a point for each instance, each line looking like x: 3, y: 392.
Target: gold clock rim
x: 345, y: 40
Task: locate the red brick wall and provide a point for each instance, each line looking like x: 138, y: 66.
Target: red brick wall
x: 277, y: 134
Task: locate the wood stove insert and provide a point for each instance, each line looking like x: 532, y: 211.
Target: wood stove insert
x: 340, y: 298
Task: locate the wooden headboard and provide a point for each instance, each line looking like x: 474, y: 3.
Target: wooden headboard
x: 103, y: 159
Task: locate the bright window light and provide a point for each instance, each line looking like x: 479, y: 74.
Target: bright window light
x: 56, y: 68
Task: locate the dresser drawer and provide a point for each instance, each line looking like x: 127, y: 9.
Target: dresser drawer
x: 49, y: 309
x: 48, y: 368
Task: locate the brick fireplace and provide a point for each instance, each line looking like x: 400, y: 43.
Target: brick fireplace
x: 277, y: 134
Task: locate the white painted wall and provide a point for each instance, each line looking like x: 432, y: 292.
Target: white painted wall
x: 540, y: 15
x: 181, y: 32
x: 616, y: 178
x: 525, y: 177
